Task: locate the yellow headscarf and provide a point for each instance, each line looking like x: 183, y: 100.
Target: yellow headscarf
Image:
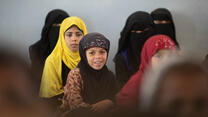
x: 51, y: 83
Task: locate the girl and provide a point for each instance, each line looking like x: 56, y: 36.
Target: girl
x: 43, y: 48
x: 156, y: 50
x: 91, y: 87
x: 138, y: 28
x: 164, y: 23
x: 63, y: 58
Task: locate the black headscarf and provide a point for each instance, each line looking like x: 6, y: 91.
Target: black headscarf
x: 167, y: 29
x: 42, y: 48
x: 132, y: 42
x: 49, y: 35
x: 98, y: 84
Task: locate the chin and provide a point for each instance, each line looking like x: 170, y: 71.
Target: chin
x: 98, y: 68
x: 74, y: 50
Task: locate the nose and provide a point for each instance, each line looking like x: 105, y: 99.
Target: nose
x: 97, y: 55
x: 74, y: 38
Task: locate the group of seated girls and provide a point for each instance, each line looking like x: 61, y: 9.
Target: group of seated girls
x: 74, y: 64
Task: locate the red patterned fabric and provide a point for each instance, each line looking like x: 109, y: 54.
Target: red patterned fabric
x: 128, y: 96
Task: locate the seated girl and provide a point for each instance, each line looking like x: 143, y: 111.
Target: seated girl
x: 156, y: 50
x: 63, y: 58
x: 91, y: 87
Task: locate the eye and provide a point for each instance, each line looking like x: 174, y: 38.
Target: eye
x: 68, y: 34
x: 165, y: 22
x: 102, y: 51
x: 157, y: 21
x: 78, y: 34
x: 56, y: 25
x: 158, y: 55
x: 91, y: 53
x: 139, y: 31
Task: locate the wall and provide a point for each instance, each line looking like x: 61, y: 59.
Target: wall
x: 22, y: 20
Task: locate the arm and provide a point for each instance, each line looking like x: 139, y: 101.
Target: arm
x: 72, y: 90
x: 51, y: 84
x: 103, y: 105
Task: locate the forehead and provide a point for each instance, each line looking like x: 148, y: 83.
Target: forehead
x: 73, y: 29
x: 163, y: 51
x: 95, y: 49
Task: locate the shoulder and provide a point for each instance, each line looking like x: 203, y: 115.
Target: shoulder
x: 49, y: 60
x: 34, y: 50
x: 52, y: 59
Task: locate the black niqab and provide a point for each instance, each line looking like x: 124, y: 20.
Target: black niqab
x: 49, y: 35
x: 130, y: 42
x: 167, y: 29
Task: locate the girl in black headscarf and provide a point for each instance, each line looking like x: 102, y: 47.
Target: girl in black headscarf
x: 138, y: 28
x: 164, y: 23
x: 42, y: 48
x: 91, y: 87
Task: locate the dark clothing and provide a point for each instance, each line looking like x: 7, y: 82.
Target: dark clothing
x: 98, y: 84
x: 138, y: 28
x: 123, y: 70
x: 65, y: 71
x: 42, y: 48
x: 167, y: 29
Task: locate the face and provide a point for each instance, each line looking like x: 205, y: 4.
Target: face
x: 96, y: 57
x: 184, y: 96
x: 56, y: 25
x: 160, y: 57
x: 161, y: 21
x: 73, y: 37
x: 140, y: 31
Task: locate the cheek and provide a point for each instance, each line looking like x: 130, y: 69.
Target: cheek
x: 165, y: 58
x: 154, y: 62
x: 105, y: 57
x: 89, y: 59
x: 67, y: 39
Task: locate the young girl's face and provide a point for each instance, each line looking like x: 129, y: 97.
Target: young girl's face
x: 96, y: 57
x: 73, y: 37
x: 159, y: 57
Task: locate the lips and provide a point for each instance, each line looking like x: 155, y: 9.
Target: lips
x: 74, y: 45
x: 98, y: 63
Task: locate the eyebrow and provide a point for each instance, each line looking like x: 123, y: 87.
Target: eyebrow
x: 92, y: 49
x: 75, y: 32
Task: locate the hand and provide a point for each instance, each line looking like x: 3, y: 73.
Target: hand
x: 75, y: 73
x: 102, y: 106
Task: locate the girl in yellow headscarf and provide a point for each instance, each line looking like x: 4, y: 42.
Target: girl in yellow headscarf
x: 63, y: 58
